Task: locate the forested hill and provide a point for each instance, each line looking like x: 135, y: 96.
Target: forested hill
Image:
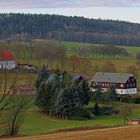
x: 16, y: 26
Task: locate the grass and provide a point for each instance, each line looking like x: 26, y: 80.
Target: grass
x: 36, y: 123
x: 118, y: 133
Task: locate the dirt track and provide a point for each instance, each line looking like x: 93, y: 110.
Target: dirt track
x: 121, y: 133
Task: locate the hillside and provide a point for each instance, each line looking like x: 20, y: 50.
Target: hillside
x: 120, y: 133
x: 26, y: 26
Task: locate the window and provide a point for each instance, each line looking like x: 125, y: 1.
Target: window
x: 121, y: 85
x: 133, y: 84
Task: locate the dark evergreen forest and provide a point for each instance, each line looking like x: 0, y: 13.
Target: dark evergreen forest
x: 80, y: 29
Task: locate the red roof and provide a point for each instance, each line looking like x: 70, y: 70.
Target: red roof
x: 6, y: 55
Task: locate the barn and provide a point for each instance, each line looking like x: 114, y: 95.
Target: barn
x: 125, y: 83
x: 134, y: 121
x: 7, y: 60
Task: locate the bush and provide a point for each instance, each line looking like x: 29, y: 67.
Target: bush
x: 108, y: 111
x: 128, y: 99
x: 83, y: 113
x: 96, y: 110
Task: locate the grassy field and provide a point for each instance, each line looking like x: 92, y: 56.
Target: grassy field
x: 36, y: 123
x: 121, y: 63
x: 120, y: 133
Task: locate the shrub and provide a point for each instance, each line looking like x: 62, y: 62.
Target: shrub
x: 108, y: 111
x: 129, y: 99
x: 83, y: 113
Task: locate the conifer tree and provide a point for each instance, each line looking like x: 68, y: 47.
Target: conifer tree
x: 43, y: 74
x: 112, y: 94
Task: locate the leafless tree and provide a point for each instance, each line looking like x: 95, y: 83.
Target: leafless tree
x: 109, y: 67
x: 6, y: 97
x: 12, y: 107
x: 47, y: 52
x: 14, y: 116
x: 126, y: 112
x: 74, y: 60
x: 133, y: 69
x: 82, y: 50
x: 61, y: 55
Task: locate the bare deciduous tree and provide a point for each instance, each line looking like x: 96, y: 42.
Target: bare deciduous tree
x: 109, y: 67
x: 126, y: 112
x: 14, y: 116
x: 12, y: 107
x: 74, y: 60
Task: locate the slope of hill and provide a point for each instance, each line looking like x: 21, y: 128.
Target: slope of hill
x: 23, y: 26
x: 121, y: 133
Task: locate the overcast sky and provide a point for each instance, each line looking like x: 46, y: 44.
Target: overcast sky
x: 128, y: 10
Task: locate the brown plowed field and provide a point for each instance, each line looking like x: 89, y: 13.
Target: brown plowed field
x: 120, y: 133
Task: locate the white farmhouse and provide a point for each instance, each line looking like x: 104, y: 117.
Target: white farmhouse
x: 7, y: 60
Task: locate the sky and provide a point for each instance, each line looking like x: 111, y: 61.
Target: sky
x: 126, y: 10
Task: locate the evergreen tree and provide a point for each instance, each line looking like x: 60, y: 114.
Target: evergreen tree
x: 83, y: 90
x: 77, y: 29
x: 43, y: 74
x: 97, y: 94
x: 96, y: 109
x: 40, y: 97
x: 112, y: 94
x: 61, y: 96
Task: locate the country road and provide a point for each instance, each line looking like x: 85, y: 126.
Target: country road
x: 120, y: 133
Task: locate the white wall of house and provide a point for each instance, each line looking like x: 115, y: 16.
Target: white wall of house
x: 121, y: 91
x: 8, y: 64
x: 128, y: 91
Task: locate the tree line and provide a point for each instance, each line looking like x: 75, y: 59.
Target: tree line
x: 105, y: 51
x: 25, y: 26
x: 60, y: 95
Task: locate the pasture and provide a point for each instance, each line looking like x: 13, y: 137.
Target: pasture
x: 118, y: 133
x: 93, y: 63
x: 36, y: 123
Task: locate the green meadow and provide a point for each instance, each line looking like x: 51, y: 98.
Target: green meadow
x: 36, y: 123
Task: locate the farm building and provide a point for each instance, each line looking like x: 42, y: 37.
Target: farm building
x: 24, y: 89
x: 26, y: 66
x: 7, y: 60
x: 134, y: 121
x: 125, y: 83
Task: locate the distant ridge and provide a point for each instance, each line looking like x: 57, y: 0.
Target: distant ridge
x: 80, y: 29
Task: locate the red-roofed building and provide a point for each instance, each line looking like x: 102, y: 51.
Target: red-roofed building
x: 7, y: 60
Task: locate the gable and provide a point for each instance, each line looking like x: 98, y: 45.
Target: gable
x: 6, y: 55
